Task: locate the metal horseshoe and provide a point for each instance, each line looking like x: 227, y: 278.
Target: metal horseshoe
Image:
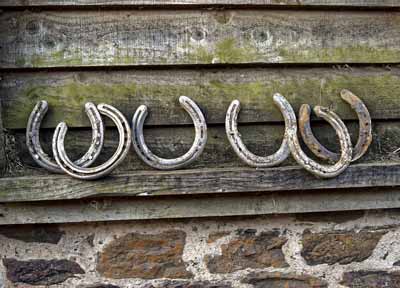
x: 194, y: 152
x: 43, y: 159
x: 323, y: 171
x: 104, y: 169
x: 364, y: 134
x: 240, y: 148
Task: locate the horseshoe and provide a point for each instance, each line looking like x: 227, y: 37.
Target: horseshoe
x: 240, y: 148
x: 104, y: 169
x: 323, y: 171
x: 43, y: 159
x: 157, y: 162
x: 364, y: 134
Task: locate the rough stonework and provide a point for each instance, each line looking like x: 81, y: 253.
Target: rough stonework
x: 283, y: 280
x: 98, y: 285
x: 342, y: 247
x: 41, y: 272
x: 249, y: 250
x: 33, y: 233
x: 147, y: 256
x: 189, y: 284
x: 217, y: 235
x: 371, y: 279
x: 274, y: 251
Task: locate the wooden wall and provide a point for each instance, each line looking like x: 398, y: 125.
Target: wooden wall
x: 128, y: 53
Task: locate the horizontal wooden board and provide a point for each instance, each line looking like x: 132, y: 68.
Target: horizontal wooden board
x: 175, y: 141
x: 159, y: 37
x: 167, y: 3
x: 2, y: 146
x: 135, y: 208
x: 194, y: 181
x: 213, y: 90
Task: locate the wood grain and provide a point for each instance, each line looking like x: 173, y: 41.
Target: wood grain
x: 175, y: 141
x: 194, y: 181
x: 160, y: 37
x: 212, y: 89
x: 290, y: 3
x: 3, y: 158
x: 139, y: 208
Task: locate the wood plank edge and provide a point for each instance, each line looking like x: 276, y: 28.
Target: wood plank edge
x: 195, y: 181
x: 243, y: 4
x: 187, y: 207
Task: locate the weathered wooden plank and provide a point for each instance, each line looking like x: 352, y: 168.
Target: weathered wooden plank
x: 290, y: 3
x: 194, y: 181
x: 175, y: 141
x: 3, y: 158
x: 117, y: 209
x: 212, y: 89
x: 159, y: 37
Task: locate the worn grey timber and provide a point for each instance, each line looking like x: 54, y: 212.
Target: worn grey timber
x: 114, y: 209
x: 166, y: 37
x: 166, y: 3
x: 194, y: 181
x: 3, y: 158
x: 212, y: 89
x: 128, y: 53
x: 261, y: 139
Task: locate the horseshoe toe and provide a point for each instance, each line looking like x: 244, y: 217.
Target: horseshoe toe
x: 104, y: 169
x: 240, y: 148
x: 364, y: 134
x: 42, y: 158
x: 157, y: 162
x: 323, y: 171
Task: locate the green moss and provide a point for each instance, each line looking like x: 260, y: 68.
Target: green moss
x: 58, y: 58
x: 20, y: 61
x: 201, y: 55
x: 67, y: 101
x: 342, y: 54
x: 226, y: 51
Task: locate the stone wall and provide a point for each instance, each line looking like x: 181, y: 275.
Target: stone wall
x: 352, y: 249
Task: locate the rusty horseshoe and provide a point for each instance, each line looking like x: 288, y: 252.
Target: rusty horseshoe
x: 323, y: 171
x: 43, y: 159
x: 192, y: 154
x: 104, y: 169
x: 364, y: 134
x: 240, y: 148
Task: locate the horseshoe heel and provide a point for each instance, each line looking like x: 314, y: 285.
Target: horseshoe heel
x: 240, y: 148
x: 104, y: 169
x: 43, y: 159
x: 194, y: 152
x: 323, y: 171
x: 364, y: 134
